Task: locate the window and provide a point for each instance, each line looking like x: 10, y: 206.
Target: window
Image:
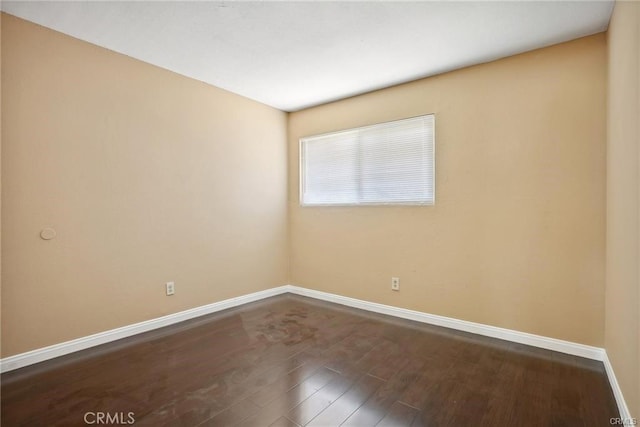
x: 387, y: 163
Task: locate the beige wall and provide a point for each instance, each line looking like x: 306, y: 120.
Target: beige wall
x: 147, y: 177
x: 516, y: 237
x: 622, y: 325
x: 0, y: 184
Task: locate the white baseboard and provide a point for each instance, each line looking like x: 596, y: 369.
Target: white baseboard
x: 617, y: 392
x: 568, y: 347
x: 40, y: 355
x: 589, y: 352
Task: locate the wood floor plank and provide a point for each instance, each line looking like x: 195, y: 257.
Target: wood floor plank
x: 399, y: 415
x: 232, y: 415
x: 283, y: 422
x: 293, y: 361
x: 283, y: 403
x: 338, y: 411
x: 377, y: 405
x: 320, y: 400
x: 272, y: 391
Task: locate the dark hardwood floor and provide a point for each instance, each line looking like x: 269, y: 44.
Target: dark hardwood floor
x: 293, y: 361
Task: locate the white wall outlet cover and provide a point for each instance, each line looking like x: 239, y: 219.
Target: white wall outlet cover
x: 171, y: 288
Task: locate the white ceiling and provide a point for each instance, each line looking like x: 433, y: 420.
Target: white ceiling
x: 292, y: 55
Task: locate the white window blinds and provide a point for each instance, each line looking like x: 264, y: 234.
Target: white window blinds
x: 387, y: 163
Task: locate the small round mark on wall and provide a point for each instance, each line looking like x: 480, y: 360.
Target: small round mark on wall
x: 48, y: 233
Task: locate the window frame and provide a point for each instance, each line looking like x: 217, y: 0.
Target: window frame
x: 302, y: 172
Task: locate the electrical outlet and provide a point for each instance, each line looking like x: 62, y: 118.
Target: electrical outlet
x: 171, y: 288
x: 395, y: 283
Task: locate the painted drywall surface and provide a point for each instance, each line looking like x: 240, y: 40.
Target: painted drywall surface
x: 622, y: 325
x: 146, y: 176
x: 516, y: 236
x: 0, y: 182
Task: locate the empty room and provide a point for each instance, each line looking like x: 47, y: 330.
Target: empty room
x: 320, y: 213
